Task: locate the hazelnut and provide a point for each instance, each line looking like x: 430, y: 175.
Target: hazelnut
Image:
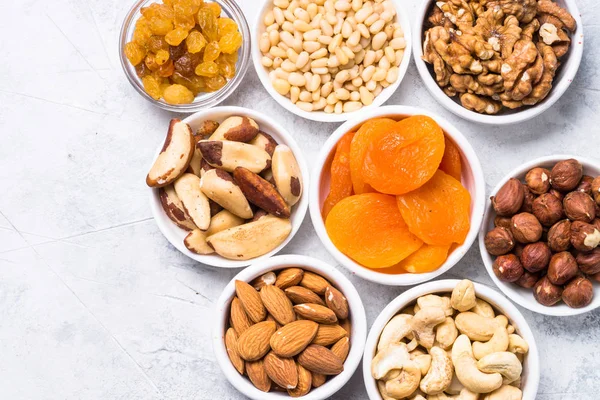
x: 538, y: 180
x: 579, y: 207
x: 585, y: 185
x: 503, y: 222
x: 596, y: 277
x: 589, y: 263
x: 559, y: 236
x: 596, y: 189
x: 584, y: 237
x: 525, y: 228
x: 565, y: 175
x: 499, y: 241
x: 518, y: 250
x: 547, y: 209
x: 536, y: 256
x: 562, y: 268
x: 528, y: 199
x: 546, y: 293
x: 508, y: 268
x: 528, y: 279
x: 578, y: 293
x: 559, y: 195
x: 509, y: 198
x: 596, y: 222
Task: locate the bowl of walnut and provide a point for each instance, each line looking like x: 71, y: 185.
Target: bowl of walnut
x: 541, y: 233
x: 498, y: 62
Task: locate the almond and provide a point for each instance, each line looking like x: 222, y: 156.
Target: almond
x: 282, y: 371
x: 279, y: 306
x: 315, y: 312
x: 264, y: 280
x: 251, y: 301
x: 336, y: 301
x: 238, y: 318
x: 261, y: 193
x: 346, y: 325
x: 304, y: 382
x: 299, y: 295
x: 317, y: 379
x: 314, y: 282
x: 329, y: 334
x: 289, y: 277
x: 293, y: 338
x: 341, y: 348
x: 270, y: 318
x: 258, y: 375
x: 231, y: 346
x: 320, y: 359
x: 254, y: 342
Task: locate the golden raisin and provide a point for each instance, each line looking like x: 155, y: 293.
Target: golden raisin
x: 142, y: 31
x: 215, y: 7
x: 151, y: 63
x: 225, y: 26
x: 166, y: 69
x: 161, y: 57
x: 215, y: 83
x: 195, y: 83
x: 178, y: 94
x: 186, y: 64
x: 152, y: 86
x: 156, y: 43
x: 212, y: 51
x: 160, y: 26
x: 134, y: 53
x: 225, y: 68
x: 157, y: 10
x: 231, y: 42
x: 176, y: 36
x: 195, y: 42
x: 209, y: 69
x: 208, y: 23
x: 185, y: 22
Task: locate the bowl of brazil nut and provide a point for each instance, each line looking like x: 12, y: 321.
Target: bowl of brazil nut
x: 394, y: 210
x: 326, y: 60
x: 540, y: 237
x: 227, y: 186
x: 451, y: 339
x: 289, y: 326
x: 498, y: 62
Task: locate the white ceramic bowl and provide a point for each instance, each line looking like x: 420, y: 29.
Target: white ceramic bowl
x: 522, y: 296
x: 357, y: 318
x: 472, y: 179
x: 565, y: 74
x: 263, y: 75
x: 531, y: 365
x: 175, y: 235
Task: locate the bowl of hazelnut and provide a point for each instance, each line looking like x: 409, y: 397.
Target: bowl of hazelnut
x: 540, y: 235
x: 498, y: 62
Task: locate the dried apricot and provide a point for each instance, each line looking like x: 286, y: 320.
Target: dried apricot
x: 369, y: 131
x: 340, y: 185
x: 369, y: 229
x: 426, y: 259
x: 405, y: 156
x: 451, y: 163
x: 437, y: 212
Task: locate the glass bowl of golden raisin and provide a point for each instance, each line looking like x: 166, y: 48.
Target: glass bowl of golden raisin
x: 185, y: 55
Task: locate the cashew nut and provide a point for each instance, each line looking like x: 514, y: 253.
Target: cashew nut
x: 505, y: 363
x: 475, y: 326
x: 432, y: 300
x: 408, y: 310
x: 498, y: 342
x: 406, y: 382
x: 423, y: 361
x: 502, y: 320
x: 440, y: 373
x: 395, y: 330
x: 394, y: 356
x: 505, y: 393
x: 423, y: 324
x: 463, y: 296
x: 465, y: 394
x: 466, y: 369
x: 446, y: 333
x: 517, y: 345
x: 383, y: 392
x: 455, y: 386
x: 483, y: 308
x: 510, y: 329
x: 413, y: 344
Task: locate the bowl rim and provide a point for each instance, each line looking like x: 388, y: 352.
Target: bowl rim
x: 386, y: 93
x: 446, y: 286
x: 298, y: 210
x: 478, y: 197
x: 560, y: 310
x: 214, y: 98
x: 358, y: 320
x: 559, y: 88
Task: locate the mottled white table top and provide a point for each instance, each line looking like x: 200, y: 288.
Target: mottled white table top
x: 95, y: 303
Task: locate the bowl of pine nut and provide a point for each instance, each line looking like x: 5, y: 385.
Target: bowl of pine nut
x: 325, y: 60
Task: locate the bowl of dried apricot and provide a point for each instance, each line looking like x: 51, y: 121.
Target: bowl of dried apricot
x: 289, y: 326
x: 185, y: 55
x: 397, y: 195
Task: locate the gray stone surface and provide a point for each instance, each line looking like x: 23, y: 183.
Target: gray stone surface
x: 95, y: 303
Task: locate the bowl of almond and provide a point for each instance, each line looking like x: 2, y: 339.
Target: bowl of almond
x: 289, y: 326
x: 227, y: 186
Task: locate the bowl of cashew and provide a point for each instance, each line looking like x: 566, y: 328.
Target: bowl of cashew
x: 451, y: 339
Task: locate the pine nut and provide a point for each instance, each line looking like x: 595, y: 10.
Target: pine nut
x: 350, y: 106
x: 308, y: 107
x: 281, y: 86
